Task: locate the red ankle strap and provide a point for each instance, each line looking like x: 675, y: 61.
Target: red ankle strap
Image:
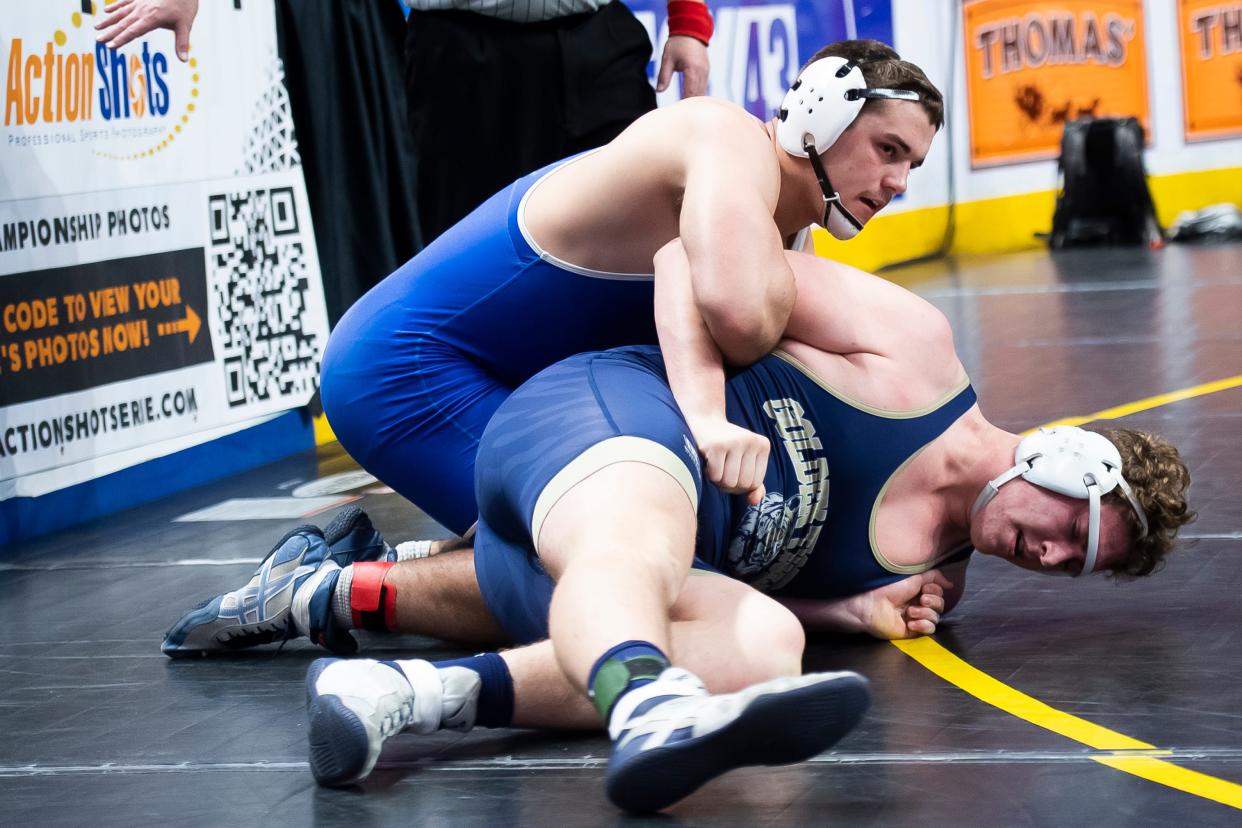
x: 373, y: 603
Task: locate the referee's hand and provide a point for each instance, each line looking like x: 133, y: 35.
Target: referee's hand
x: 688, y: 56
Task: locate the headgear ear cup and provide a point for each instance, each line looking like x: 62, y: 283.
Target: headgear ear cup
x: 817, y: 105
x: 1074, y: 462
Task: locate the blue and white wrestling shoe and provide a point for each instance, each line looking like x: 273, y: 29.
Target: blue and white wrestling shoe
x: 671, y: 736
x: 290, y: 594
x: 354, y: 705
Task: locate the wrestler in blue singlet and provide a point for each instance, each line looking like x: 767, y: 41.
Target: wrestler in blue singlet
x: 414, y: 370
x: 811, y: 537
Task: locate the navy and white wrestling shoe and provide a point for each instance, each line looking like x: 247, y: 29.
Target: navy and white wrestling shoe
x: 671, y: 736
x: 290, y: 594
x: 354, y: 705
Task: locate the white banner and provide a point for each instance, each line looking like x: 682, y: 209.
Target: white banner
x: 158, y: 273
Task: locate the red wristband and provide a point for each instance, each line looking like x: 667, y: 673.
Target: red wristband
x: 691, y: 19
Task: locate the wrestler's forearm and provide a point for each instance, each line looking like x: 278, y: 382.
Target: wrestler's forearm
x: 906, y: 608
x: 842, y: 615
x: 742, y: 285
x: 691, y: 360
x: 746, y: 325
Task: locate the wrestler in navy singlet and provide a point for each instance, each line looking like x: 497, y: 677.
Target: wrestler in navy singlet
x: 811, y: 537
x: 416, y: 367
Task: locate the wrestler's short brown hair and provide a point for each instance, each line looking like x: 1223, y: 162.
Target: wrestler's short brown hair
x: 883, y: 67
x: 1159, y: 477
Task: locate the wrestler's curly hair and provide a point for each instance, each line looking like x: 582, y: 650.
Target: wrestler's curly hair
x: 1159, y: 477
x: 883, y: 67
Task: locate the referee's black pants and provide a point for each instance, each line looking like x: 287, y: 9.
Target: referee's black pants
x: 490, y: 101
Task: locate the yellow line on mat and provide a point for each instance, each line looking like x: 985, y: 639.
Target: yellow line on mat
x: 1144, y: 764
x: 979, y: 684
x: 1154, y: 402
x: 1183, y: 779
x: 952, y: 669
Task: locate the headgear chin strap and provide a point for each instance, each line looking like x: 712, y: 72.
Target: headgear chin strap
x: 817, y: 109
x: 841, y: 223
x: 1073, y: 462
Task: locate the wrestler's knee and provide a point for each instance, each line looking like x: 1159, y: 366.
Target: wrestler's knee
x: 772, y: 641
x: 639, y: 555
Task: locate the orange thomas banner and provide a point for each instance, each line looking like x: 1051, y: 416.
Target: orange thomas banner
x: 1211, y: 33
x: 1032, y: 65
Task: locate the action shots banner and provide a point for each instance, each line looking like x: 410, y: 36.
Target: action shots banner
x: 1211, y: 34
x: 158, y: 274
x: 758, y: 47
x: 1032, y: 65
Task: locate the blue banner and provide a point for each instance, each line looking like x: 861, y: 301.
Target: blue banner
x: 758, y: 46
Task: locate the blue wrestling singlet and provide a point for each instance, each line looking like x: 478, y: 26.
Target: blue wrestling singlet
x: 585, y: 412
x: 415, y: 369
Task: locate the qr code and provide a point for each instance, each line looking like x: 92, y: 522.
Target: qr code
x: 261, y: 286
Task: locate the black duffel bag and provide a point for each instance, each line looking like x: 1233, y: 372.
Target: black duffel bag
x: 1104, y: 198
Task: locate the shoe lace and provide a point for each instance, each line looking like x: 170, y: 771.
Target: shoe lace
x: 396, y: 721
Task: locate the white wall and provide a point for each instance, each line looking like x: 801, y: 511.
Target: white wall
x: 925, y: 32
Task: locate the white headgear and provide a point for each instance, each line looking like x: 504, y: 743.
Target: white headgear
x: 1073, y: 462
x: 821, y: 104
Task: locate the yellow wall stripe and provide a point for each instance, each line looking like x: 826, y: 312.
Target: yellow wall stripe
x: 887, y: 239
x: 1009, y: 223
x: 323, y: 431
x: 1193, y: 191
x: 934, y: 657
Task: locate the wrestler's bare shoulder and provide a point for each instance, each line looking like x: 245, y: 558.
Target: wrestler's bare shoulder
x: 698, y: 128
x: 613, y: 208
x: 701, y: 114
x: 868, y: 338
x: 657, y: 148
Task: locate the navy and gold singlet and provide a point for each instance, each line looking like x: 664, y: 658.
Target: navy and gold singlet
x: 811, y: 537
x: 832, y: 458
